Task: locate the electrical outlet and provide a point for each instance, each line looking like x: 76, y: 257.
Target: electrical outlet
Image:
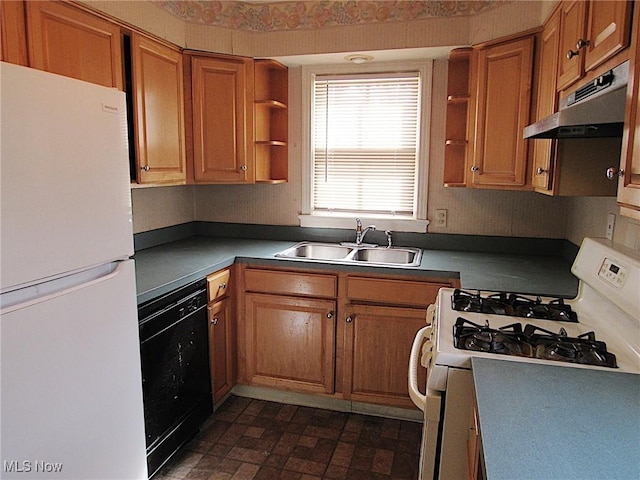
x: 441, y: 218
x: 611, y: 224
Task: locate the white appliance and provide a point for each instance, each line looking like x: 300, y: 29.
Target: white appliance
x: 607, y: 304
x: 71, y: 390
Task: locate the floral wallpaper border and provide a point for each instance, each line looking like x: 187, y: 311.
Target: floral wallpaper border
x: 305, y: 15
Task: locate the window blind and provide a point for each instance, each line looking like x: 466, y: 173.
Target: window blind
x: 365, y: 143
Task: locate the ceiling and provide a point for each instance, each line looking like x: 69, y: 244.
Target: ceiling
x: 402, y: 54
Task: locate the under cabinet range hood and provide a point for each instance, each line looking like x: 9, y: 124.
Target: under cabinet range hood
x: 595, y: 109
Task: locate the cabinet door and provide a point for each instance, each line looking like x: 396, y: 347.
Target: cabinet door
x: 608, y: 30
x: 572, y: 28
x: 290, y: 342
x: 547, y: 102
x: 73, y: 43
x: 501, y: 97
x: 221, y: 351
x: 378, y: 346
x: 629, y: 183
x: 13, y: 33
x: 222, y: 120
x: 159, y: 113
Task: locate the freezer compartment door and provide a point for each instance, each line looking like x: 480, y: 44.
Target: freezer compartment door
x: 64, y: 176
x: 71, y: 385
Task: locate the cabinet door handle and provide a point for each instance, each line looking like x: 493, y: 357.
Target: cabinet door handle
x: 540, y: 171
x: 222, y: 286
x: 349, y: 320
x: 571, y: 54
x: 582, y: 43
x: 475, y: 168
x: 613, y: 173
x: 330, y: 315
x: 146, y: 168
x: 243, y: 168
x: 214, y: 321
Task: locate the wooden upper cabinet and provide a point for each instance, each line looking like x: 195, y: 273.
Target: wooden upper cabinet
x: 13, y: 33
x: 608, y: 29
x: 590, y: 33
x: 629, y: 181
x: 500, y: 98
x: 222, y: 119
x: 547, y: 102
x: 158, y: 99
x: 70, y: 42
x: 572, y: 28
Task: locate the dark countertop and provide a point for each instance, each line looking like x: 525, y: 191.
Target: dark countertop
x: 547, y: 422
x: 161, y: 269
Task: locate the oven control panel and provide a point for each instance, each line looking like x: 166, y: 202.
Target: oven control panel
x: 613, y: 272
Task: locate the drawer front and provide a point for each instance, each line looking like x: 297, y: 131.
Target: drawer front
x: 218, y: 284
x: 290, y: 283
x: 396, y: 292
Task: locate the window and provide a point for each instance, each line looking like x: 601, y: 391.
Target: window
x: 366, y: 151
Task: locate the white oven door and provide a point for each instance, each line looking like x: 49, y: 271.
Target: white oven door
x: 430, y: 403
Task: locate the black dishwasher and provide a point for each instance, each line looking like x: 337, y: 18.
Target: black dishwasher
x: 176, y: 383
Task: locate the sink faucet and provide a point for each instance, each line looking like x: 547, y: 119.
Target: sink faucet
x: 361, y: 232
x: 389, y: 238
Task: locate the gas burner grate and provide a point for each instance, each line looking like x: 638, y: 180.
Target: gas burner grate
x: 513, y: 304
x: 532, y: 342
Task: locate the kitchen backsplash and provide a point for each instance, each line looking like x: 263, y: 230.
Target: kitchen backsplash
x: 160, y: 207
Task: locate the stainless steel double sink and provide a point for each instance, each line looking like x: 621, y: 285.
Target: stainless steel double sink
x: 354, y: 254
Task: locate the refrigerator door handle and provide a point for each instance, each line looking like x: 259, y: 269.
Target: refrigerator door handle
x: 42, y: 292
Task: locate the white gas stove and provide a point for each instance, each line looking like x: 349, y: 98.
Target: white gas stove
x: 599, y: 329
x: 605, y: 336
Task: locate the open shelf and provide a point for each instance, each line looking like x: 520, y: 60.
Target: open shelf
x: 456, y: 124
x: 271, y: 121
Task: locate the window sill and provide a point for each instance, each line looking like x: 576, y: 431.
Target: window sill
x: 348, y: 221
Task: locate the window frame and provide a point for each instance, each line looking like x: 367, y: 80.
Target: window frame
x: 346, y: 220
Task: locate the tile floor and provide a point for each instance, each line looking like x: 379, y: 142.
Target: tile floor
x: 257, y: 439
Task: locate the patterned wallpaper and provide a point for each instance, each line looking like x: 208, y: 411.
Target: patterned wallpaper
x: 304, y: 15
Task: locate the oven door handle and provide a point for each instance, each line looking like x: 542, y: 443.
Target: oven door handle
x: 416, y: 396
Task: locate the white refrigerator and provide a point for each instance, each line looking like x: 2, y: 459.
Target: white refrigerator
x: 70, y: 379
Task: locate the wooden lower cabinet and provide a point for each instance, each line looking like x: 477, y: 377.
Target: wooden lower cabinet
x: 221, y: 349
x: 474, y: 462
x: 331, y: 333
x: 290, y: 342
x: 222, y: 334
x: 377, y: 352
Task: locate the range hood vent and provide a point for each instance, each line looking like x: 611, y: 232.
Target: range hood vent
x: 584, y: 92
x: 595, y: 109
